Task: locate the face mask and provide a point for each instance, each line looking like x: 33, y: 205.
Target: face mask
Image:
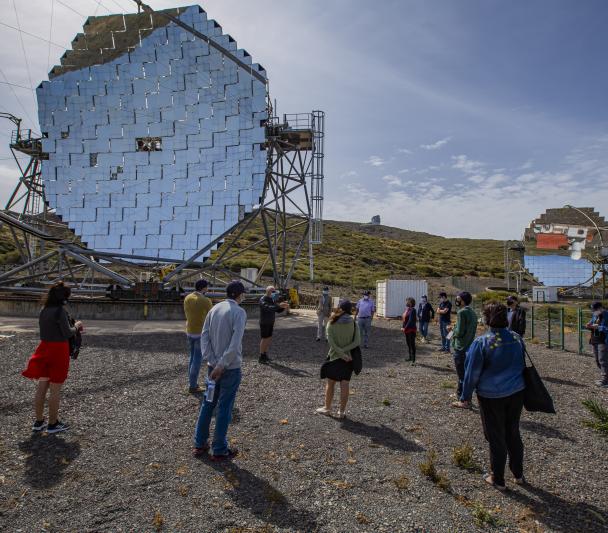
x: 366, y: 297
x: 274, y: 295
x: 325, y: 293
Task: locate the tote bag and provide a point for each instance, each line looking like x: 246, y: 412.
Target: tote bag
x: 536, y: 395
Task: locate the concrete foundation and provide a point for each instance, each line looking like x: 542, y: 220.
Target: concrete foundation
x: 103, y: 309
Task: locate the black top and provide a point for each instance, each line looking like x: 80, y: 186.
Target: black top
x: 268, y: 309
x: 518, y: 321
x: 447, y: 317
x: 425, y: 312
x: 55, y: 325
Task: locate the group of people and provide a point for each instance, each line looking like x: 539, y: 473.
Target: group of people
x: 490, y: 364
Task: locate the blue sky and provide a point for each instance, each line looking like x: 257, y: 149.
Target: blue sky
x: 463, y: 118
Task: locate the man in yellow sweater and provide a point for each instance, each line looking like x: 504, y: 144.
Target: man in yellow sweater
x: 196, y: 307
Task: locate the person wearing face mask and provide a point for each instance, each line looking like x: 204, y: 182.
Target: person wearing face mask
x: 516, y: 316
x: 50, y: 363
x: 444, y: 310
x: 426, y: 313
x: 463, y: 334
x: 268, y: 310
x: 222, y: 347
x: 598, y: 326
x: 323, y: 312
x: 364, y: 313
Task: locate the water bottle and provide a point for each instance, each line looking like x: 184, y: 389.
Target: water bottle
x: 210, y: 392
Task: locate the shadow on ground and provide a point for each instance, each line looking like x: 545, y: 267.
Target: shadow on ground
x: 381, y: 436
x: 559, y: 514
x: 262, y: 499
x: 545, y: 431
x: 46, y: 459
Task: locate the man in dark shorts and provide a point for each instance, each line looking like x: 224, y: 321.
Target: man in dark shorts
x: 268, y: 310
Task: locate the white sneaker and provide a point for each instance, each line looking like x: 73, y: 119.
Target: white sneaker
x: 323, y: 411
x: 341, y: 414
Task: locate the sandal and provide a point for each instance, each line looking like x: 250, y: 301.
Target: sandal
x: 489, y: 479
x: 461, y: 405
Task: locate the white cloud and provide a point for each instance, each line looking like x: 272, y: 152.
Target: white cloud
x: 375, y: 161
x: 466, y: 165
x: 498, y: 205
x: 436, y: 145
x: 403, y: 171
x: 392, y: 180
x: 404, y: 151
x: 349, y: 174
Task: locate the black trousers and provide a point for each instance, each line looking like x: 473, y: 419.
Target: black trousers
x: 500, y: 419
x: 459, y: 360
x: 410, y: 339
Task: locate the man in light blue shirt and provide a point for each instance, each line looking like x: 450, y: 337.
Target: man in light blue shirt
x: 364, y: 315
x: 222, y: 347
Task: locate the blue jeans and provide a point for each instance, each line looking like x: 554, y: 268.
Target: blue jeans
x: 443, y: 329
x: 194, y: 366
x: 459, y: 359
x: 225, y: 394
x: 424, y: 328
x: 365, y: 327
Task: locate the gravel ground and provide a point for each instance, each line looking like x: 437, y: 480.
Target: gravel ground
x: 126, y: 464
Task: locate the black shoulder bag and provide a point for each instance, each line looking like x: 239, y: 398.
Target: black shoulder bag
x: 75, y: 341
x: 536, y: 395
x: 356, y: 354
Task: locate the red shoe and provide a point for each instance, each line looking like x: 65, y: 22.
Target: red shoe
x: 198, y: 452
x: 232, y: 453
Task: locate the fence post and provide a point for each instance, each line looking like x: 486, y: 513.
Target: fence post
x: 579, y: 324
x: 561, y: 328
x: 548, y: 327
x: 532, y: 321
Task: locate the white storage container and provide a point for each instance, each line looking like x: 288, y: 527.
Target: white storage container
x: 542, y: 294
x: 391, y: 295
x: 249, y: 274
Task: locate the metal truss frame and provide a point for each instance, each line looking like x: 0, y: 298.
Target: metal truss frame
x: 50, y: 252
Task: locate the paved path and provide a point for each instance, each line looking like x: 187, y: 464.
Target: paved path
x: 11, y: 325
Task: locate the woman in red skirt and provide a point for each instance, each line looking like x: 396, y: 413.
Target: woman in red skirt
x: 50, y: 362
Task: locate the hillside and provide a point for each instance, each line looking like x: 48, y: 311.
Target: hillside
x: 357, y: 255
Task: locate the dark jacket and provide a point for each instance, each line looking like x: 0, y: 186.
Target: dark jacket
x: 446, y: 317
x: 518, y: 321
x: 409, y: 319
x: 268, y: 310
x: 425, y: 312
x: 55, y: 324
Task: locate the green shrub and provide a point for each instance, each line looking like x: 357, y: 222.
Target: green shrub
x: 463, y: 458
x: 600, y: 417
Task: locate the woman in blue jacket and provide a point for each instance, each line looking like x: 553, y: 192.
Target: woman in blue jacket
x: 494, y: 368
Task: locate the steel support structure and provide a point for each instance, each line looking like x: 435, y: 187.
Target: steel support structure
x: 288, y: 217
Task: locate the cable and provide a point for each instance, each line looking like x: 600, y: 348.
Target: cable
x: 33, y: 35
x: 70, y: 8
x: 16, y: 85
x: 27, y: 64
x: 48, y: 57
x: 17, y: 97
x: 118, y: 5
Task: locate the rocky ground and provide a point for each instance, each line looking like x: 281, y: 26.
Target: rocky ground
x: 126, y: 464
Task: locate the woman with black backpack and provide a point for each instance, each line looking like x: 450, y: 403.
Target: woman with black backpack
x: 50, y: 362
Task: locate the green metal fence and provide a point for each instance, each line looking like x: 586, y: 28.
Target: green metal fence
x: 559, y: 326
